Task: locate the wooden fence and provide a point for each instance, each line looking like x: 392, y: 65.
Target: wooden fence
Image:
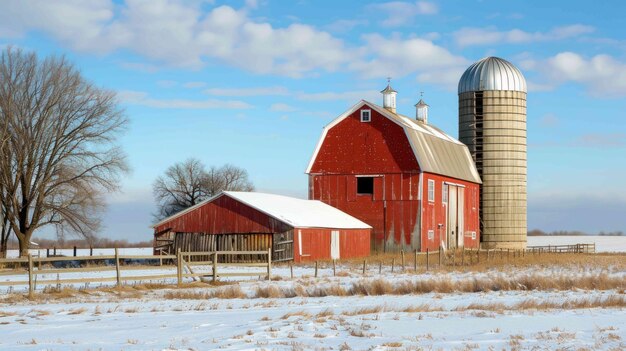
x: 575, y: 248
x: 182, y: 261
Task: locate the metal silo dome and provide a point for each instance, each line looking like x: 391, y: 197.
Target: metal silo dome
x: 492, y: 73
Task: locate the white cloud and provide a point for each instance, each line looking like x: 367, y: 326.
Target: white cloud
x: 178, y: 33
x: 143, y: 99
x: 344, y: 25
x: 602, y: 75
x: 490, y: 35
x: 281, y: 107
x: 399, y: 13
x: 397, y: 57
x: 257, y: 91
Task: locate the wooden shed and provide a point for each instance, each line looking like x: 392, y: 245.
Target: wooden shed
x: 295, y: 229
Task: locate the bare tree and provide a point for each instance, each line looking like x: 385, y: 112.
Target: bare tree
x: 61, y: 152
x: 181, y: 186
x: 188, y: 183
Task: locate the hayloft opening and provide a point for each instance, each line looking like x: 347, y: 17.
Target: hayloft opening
x: 365, y: 185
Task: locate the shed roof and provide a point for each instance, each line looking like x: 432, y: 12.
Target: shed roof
x: 436, y: 152
x: 297, y: 213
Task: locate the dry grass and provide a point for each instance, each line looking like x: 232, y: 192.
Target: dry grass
x: 229, y: 292
x: 302, y: 314
x: 534, y: 304
x: 497, y: 260
x: 79, y: 310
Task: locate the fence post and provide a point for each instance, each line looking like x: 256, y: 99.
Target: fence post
x: 269, y: 264
x: 427, y: 259
x: 334, y: 268
x: 31, y: 283
x: 440, y: 256
x: 364, y: 265
x: 402, y: 258
x: 393, y: 263
x: 55, y: 251
x: 74, y: 250
x: 478, y: 255
x: 291, y: 268
x: 117, y: 267
x: 315, y: 269
x: 380, y: 267
x: 415, y: 261
x: 463, y: 257
x: 48, y: 252
x: 90, y: 250
x: 215, y: 266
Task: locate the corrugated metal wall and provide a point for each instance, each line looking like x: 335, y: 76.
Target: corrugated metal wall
x: 493, y: 125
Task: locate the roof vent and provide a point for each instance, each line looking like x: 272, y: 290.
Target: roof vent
x: 389, y: 97
x: 421, y: 110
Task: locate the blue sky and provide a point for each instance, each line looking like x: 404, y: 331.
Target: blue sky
x: 253, y: 82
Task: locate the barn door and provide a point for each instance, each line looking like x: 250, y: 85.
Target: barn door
x: 334, y: 244
x: 283, y: 246
x: 452, y: 217
x: 460, y: 215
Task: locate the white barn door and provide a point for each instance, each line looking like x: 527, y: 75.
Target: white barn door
x: 334, y: 244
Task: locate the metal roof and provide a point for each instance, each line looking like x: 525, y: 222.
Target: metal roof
x: 492, y: 73
x: 436, y: 152
x: 297, y: 213
x: 388, y: 89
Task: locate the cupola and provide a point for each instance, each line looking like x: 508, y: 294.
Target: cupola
x: 421, y: 111
x: 389, y: 97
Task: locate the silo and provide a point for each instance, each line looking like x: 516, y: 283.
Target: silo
x: 492, y: 123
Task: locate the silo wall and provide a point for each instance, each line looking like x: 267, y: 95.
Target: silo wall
x: 493, y: 125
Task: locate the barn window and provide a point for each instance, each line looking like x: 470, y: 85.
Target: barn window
x: 431, y: 190
x: 366, y: 115
x: 365, y: 185
x: 444, y: 193
x: 431, y: 235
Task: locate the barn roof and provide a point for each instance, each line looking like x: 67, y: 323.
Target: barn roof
x: 297, y: 213
x: 436, y: 152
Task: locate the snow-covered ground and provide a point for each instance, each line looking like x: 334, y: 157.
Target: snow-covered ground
x: 603, y: 243
x: 162, y: 320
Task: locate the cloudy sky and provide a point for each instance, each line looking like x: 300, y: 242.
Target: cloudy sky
x: 253, y: 82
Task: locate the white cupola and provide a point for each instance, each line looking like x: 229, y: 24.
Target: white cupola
x: 421, y: 111
x: 389, y: 97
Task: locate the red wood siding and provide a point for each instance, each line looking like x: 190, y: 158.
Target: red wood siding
x: 434, y: 213
x: 316, y: 243
x: 224, y: 215
x: 355, y: 147
x: 380, y: 148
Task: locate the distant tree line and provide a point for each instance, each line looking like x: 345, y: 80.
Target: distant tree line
x: 538, y: 232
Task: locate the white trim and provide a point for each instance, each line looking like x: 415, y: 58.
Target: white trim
x: 444, y: 191
x: 370, y: 175
x: 369, y: 115
x: 454, y: 184
x: 431, y: 181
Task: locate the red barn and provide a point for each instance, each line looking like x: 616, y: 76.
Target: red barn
x: 295, y: 229
x: 415, y: 185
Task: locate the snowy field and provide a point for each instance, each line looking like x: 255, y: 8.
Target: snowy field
x: 188, y: 319
x: 603, y: 243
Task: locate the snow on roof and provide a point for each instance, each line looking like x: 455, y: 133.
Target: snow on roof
x: 292, y: 211
x: 298, y: 212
